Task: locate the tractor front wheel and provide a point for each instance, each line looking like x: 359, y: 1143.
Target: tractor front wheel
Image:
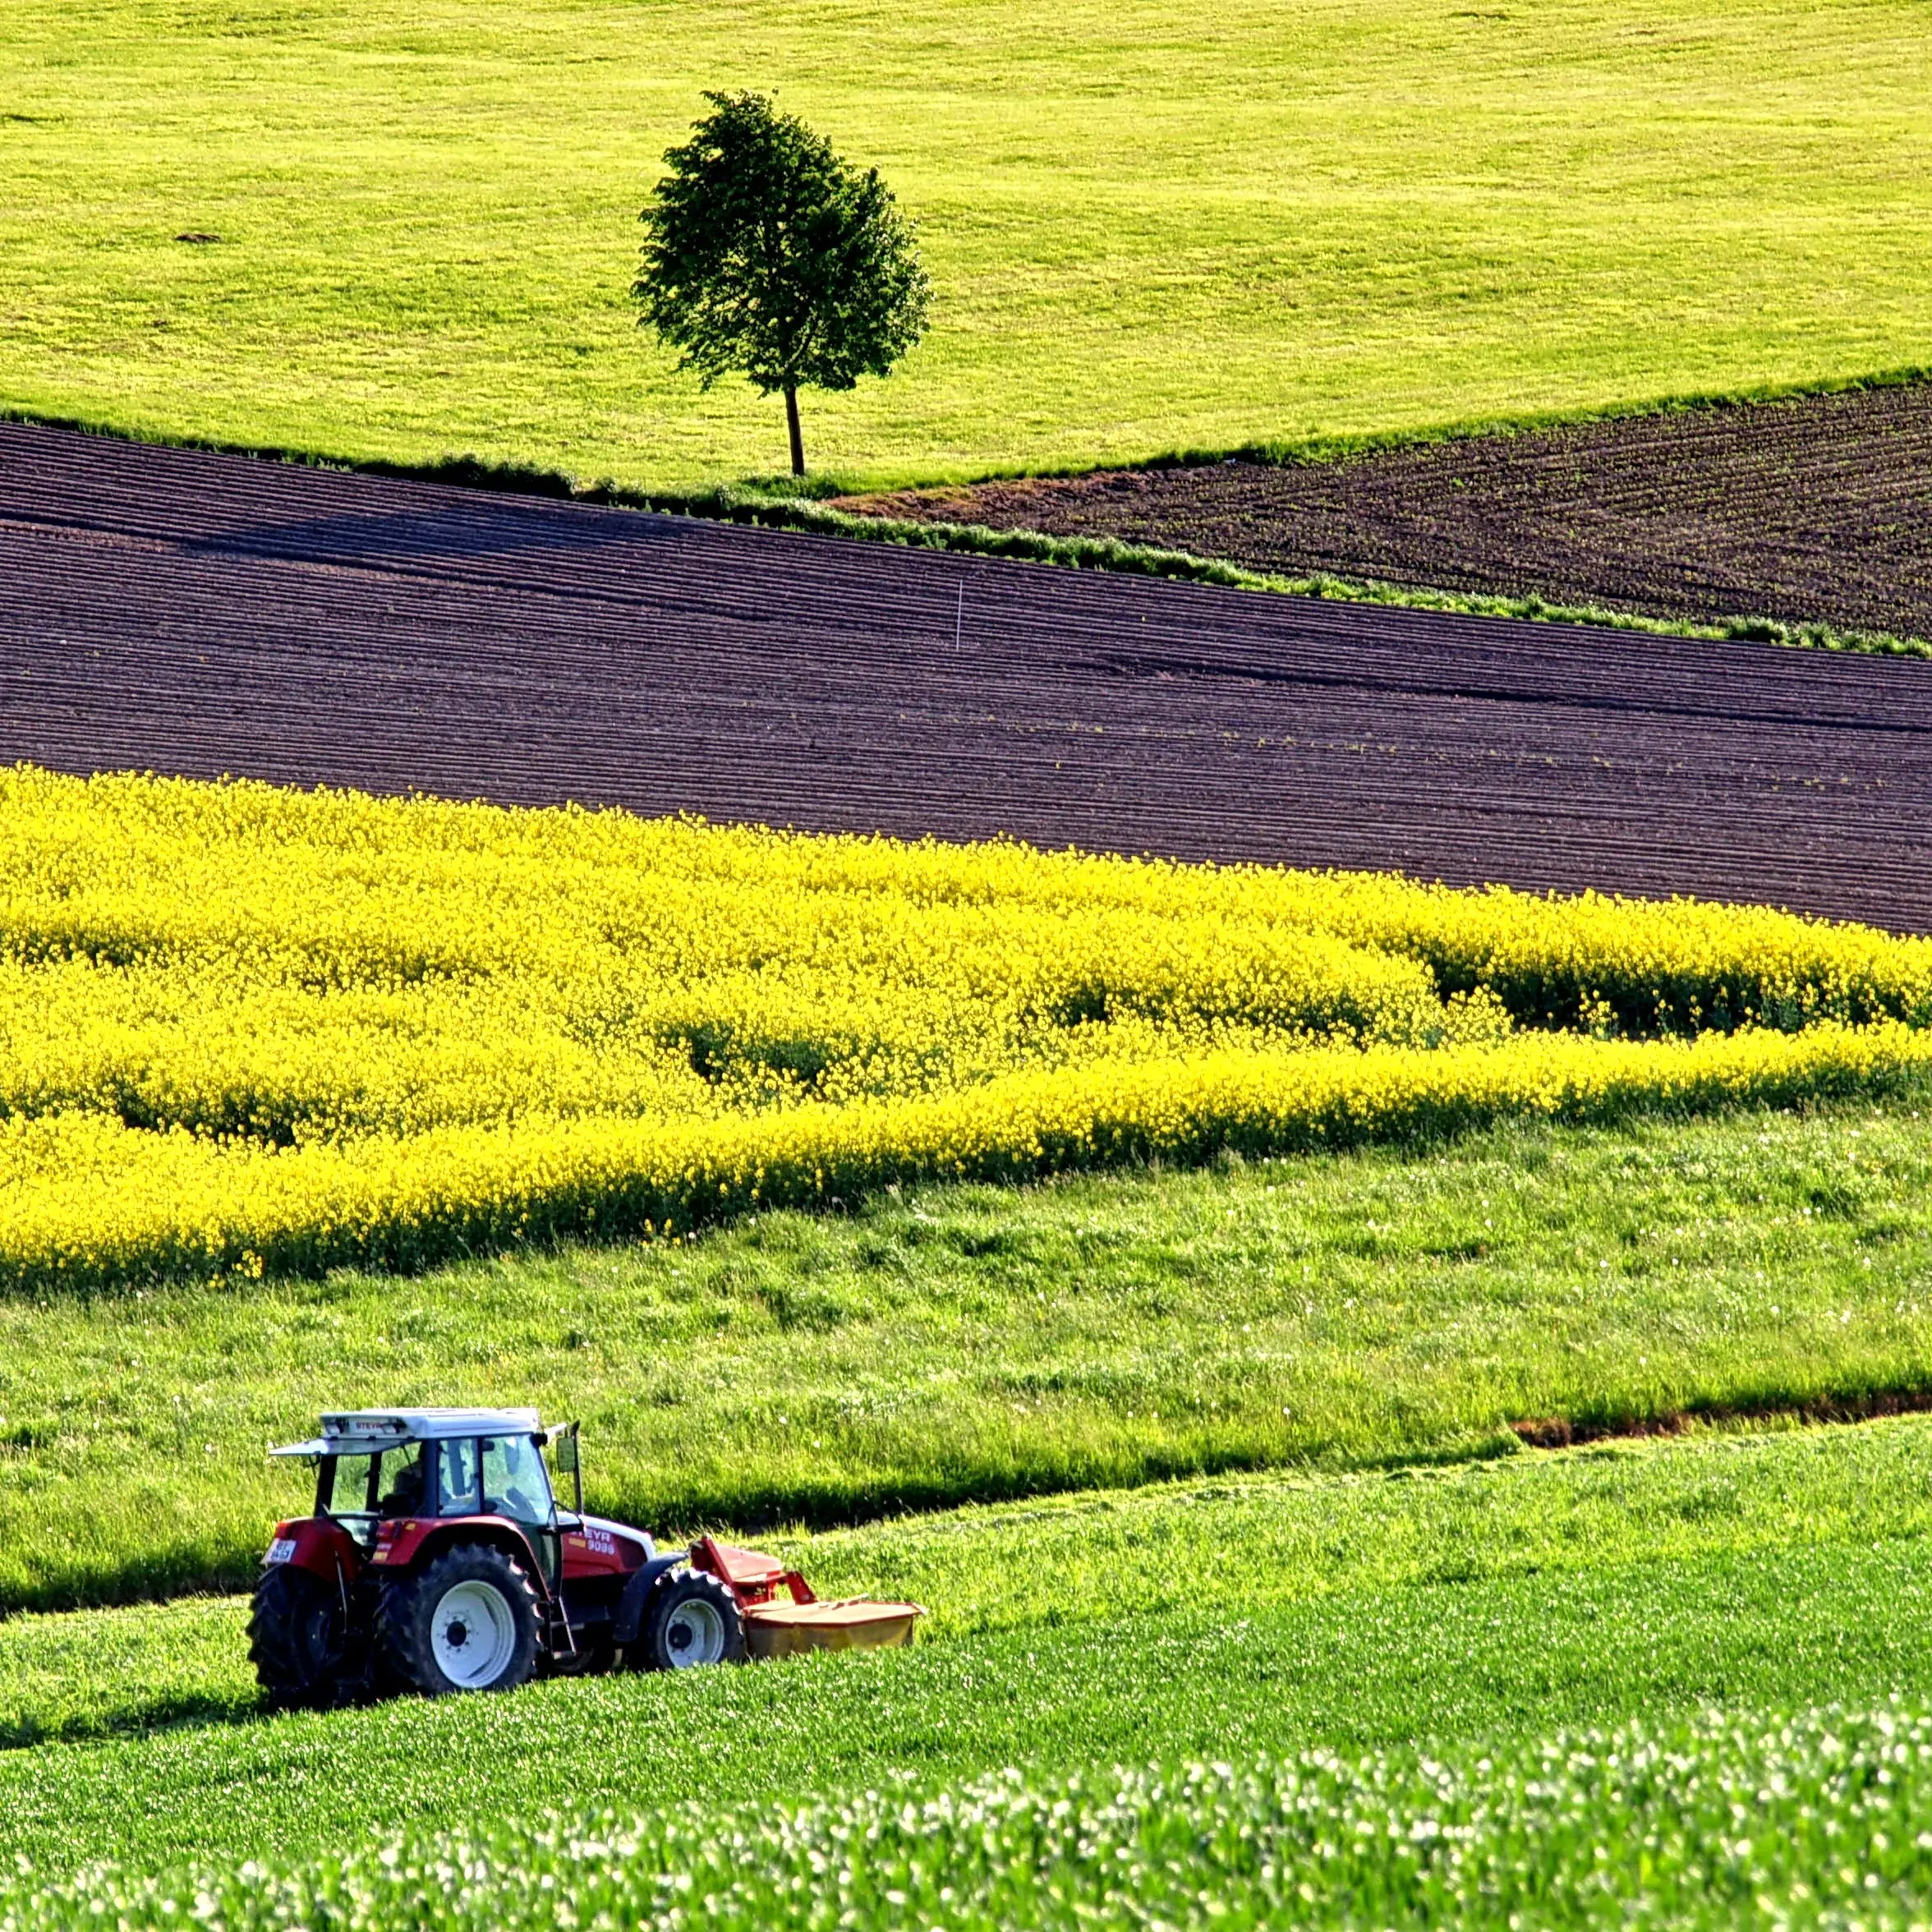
x: 466, y: 1621
x: 689, y: 1619
x: 298, y: 1640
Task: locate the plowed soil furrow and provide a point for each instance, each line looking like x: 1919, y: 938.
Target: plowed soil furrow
x: 1817, y: 510
x: 164, y: 610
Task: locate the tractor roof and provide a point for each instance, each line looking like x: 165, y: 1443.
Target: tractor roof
x: 362, y: 1432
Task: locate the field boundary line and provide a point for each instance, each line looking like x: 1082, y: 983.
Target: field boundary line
x: 1849, y: 1409
x: 223, y: 1573
x: 474, y: 472
x: 1112, y: 554
x: 773, y: 505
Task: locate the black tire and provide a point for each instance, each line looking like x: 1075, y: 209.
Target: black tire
x: 690, y: 1619
x: 298, y: 1640
x: 485, y: 1640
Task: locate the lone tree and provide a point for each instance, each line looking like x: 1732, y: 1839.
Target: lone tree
x: 766, y: 252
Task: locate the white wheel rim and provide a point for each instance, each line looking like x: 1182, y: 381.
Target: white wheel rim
x: 694, y: 1634
x: 473, y: 1635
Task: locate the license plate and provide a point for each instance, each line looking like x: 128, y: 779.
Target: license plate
x: 282, y: 1550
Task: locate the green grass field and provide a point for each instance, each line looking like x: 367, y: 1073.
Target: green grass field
x: 972, y: 1343
x: 1767, y: 1818
x: 1720, y: 1820
x: 1148, y: 229
x: 1490, y: 1602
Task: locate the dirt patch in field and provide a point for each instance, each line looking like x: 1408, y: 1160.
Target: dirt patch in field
x: 1817, y: 510
x: 1560, y: 1432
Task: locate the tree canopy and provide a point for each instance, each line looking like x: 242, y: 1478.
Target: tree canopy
x: 767, y: 254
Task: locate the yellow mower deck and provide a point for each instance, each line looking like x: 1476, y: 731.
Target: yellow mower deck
x: 785, y: 1630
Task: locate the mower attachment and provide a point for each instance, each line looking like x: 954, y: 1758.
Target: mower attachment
x: 773, y: 1628
x: 785, y: 1630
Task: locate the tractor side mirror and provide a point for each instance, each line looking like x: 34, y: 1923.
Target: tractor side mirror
x: 564, y: 1456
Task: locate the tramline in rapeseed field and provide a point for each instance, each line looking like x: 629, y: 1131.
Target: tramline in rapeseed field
x: 249, y: 1030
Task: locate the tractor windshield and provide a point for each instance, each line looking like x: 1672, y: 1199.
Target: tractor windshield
x: 460, y: 1476
x: 515, y: 1482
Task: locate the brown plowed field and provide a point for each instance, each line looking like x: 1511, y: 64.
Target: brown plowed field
x: 207, y: 615
x: 1817, y: 510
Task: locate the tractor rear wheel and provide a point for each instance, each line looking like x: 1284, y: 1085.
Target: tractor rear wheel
x: 466, y: 1621
x: 298, y: 1640
x: 690, y: 1619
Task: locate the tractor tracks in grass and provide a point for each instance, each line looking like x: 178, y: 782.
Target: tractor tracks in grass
x: 204, y: 615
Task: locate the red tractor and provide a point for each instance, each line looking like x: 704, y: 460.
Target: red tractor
x: 438, y: 1560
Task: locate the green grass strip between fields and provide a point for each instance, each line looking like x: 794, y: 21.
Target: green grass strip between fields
x: 768, y: 505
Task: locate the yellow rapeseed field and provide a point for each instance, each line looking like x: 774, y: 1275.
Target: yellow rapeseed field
x: 244, y: 1029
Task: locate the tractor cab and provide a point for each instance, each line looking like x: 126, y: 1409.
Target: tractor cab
x: 373, y: 1469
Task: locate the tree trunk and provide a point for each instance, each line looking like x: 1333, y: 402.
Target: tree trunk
x: 791, y: 424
